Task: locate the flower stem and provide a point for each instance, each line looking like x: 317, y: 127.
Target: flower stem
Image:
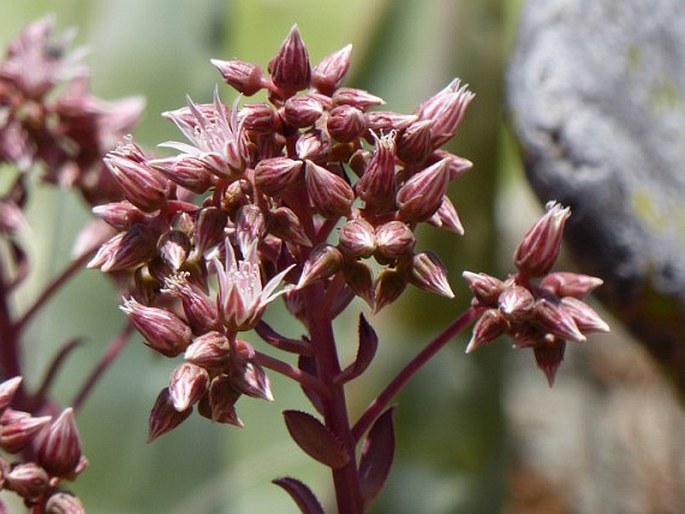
x: 377, y: 406
x: 299, y: 376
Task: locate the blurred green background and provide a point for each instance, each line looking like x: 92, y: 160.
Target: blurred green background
x: 451, y: 438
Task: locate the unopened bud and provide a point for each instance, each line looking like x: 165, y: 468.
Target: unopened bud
x: 211, y: 223
x: 244, y: 77
x: 390, y: 284
x: 457, y: 165
x: 258, y: 118
x: 516, y: 303
x: 445, y: 110
x: 585, y: 316
x: 164, y: 417
x: 323, y: 261
x: 331, y: 196
x: 163, y: 331
x: 357, y: 238
x: 539, y: 249
x: 330, y: 72
x: 187, y: 384
x: 551, y: 317
x: 199, y: 309
x: 381, y: 122
x: 429, y: 274
x: 126, y: 250
x: 421, y: 195
x: 312, y: 146
x: 143, y: 186
x: 59, y: 445
x: 303, y: 110
x: 549, y: 356
x: 64, y: 503
x: 394, y: 240
x: 284, y: 224
x: 489, y: 327
x: 185, y: 170
x: 210, y: 350
x: 359, y: 279
x: 414, y: 143
x: 485, y: 288
x: 219, y: 404
x: 174, y: 247
x: 252, y: 381
x: 120, y: 215
x: 377, y: 186
x: 272, y: 176
x: 358, y: 98
x: 345, y: 123
x: 17, y: 433
x: 28, y: 480
x: 8, y: 388
x: 446, y: 217
x: 564, y: 283
x: 290, y: 68
x: 250, y: 226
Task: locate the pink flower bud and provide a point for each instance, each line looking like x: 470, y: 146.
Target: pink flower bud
x: 185, y: 170
x: 357, y: 238
x: 8, y: 388
x: 457, y: 165
x: 17, y: 433
x: 244, y: 77
x: 539, y: 249
x: 414, y: 143
x: 163, y: 331
x: 187, y: 384
x: 489, y: 327
x: 331, y: 196
x: 429, y: 274
x: 120, y: 215
x: 250, y: 226
x: 422, y: 194
x: 390, y: 284
x: 563, y: 283
x: 274, y: 175
x: 359, y: 279
x: 377, y: 186
x: 485, y: 289
x: 219, y: 404
x: 126, y: 250
x: 381, y: 122
x: 210, y: 350
x: 446, y: 109
x: 585, y: 316
x: 211, y: 223
x: 59, y: 445
x: 394, y: 240
x: 64, y: 503
x: 174, y: 246
x: 252, y: 381
x: 323, y: 261
x: 358, y: 98
x: 290, y: 70
x: 330, y: 72
x: 303, y: 110
x: 446, y: 217
x: 28, y: 480
x: 345, y: 123
x: 285, y: 224
x: 548, y: 356
x: 164, y: 417
x: 199, y: 309
x: 312, y: 146
x: 551, y: 316
x: 516, y: 304
x: 258, y: 118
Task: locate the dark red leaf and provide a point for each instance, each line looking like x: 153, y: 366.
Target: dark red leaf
x: 301, y: 494
x: 368, y: 344
x: 377, y: 456
x: 315, y: 439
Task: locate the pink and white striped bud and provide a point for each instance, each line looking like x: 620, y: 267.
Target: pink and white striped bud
x: 394, y: 240
x: 414, y: 143
x: 377, y: 186
x: 252, y: 381
x: 284, y: 224
x: 516, y: 304
x: 187, y: 384
x: 272, y: 176
x: 120, y: 215
x: 16, y: 434
x: 143, y: 186
x: 331, y: 196
x: 312, y: 145
x: 199, y: 309
x: 174, y: 247
x: 548, y: 356
x: 539, y: 249
x: 446, y: 109
x: 59, y: 446
x: 564, y: 283
x: 244, y: 77
x: 209, y: 231
x: 358, y: 98
x: 389, y: 285
x: 219, y: 404
x: 210, y: 350
x: 345, y: 123
x: 429, y: 273
x: 323, y: 261
x: 489, y: 327
x: 447, y: 217
x: 485, y: 288
x: 585, y: 316
x: 163, y: 331
x: 28, y: 480
x: 551, y: 316
x: 164, y: 417
x: 303, y: 110
x: 126, y: 250
x: 8, y: 389
x: 457, y: 165
x: 290, y: 69
x: 358, y: 277
x: 357, y: 238
x: 330, y: 72
x: 64, y: 503
x: 421, y: 195
x: 258, y: 118
x: 185, y: 170
x: 382, y: 122
x: 250, y: 226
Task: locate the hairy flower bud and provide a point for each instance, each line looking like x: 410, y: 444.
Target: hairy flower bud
x: 64, y: 503
x: 489, y: 327
x: 164, y: 417
x: 290, y: 70
x: 331, y: 196
x: 330, y: 72
x: 539, y: 249
x: 358, y: 98
x: 163, y: 331
x: 303, y: 110
x: 429, y: 274
x: 323, y: 261
x: 210, y: 350
x: 414, y: 143
x: 59, y: 446
x: 394, y: 240
x: 345, y: 123
x: 187, y: 384
x: 357, y: 238
x: 17, y: 433
x: 28, y: 480
x: 422, y: 194
x: 274, y: 175
x: 244, y: 77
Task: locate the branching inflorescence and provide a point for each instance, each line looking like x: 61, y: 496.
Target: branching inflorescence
x: 313, y: 195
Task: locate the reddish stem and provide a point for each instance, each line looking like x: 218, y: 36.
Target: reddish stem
x: 377, y: 406
x: 299, y: 376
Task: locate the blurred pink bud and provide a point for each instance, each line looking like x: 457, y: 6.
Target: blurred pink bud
x: 551, y: 316
x: 489, y: 327
x: 429, y: 274
x: 64, y: 503
x: 377, y: 186
x: 563, y: 283
x: 389, y: 285
x: 516, y: 303
x: 274, y: 175
x: 357, y: 238
x: 187, y: 384
x: 285, y: 224
x: 414, y: 143
x: 28, y: 480
x: 446, y: 109
x: 258, y: 118
x: 323, y: 261
x: 303, y: 110
x: 12, y: 219
x: 17, y: 433
x: 174, y: 247
x: 539, y: 249
x: 345, y: 123
x: 59, y: 445
x: 421, y: 195
x: 164, y: 417
x: 120, y: 215
x: 163, y: 331
x: 359, y: 279
x: 358, y: 98
x: 394, y: 240
x: 382, y: 122
x: 211, y: 224
x: 244, y: 77
x: 290, y: 70
x: 185, y: 170
x: 210, y: 350
x: 8, y: 388
x: 585, y: 316
x: 485, y: 289
x: 330, y: 72
x: 331, y: 196
x: 446, y: 217
x: 548, y: 356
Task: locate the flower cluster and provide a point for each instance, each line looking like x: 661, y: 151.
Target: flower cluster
x: 538, y: 308
x: 49, y: 119
x: 53, y: 447
x: 254, y: 198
